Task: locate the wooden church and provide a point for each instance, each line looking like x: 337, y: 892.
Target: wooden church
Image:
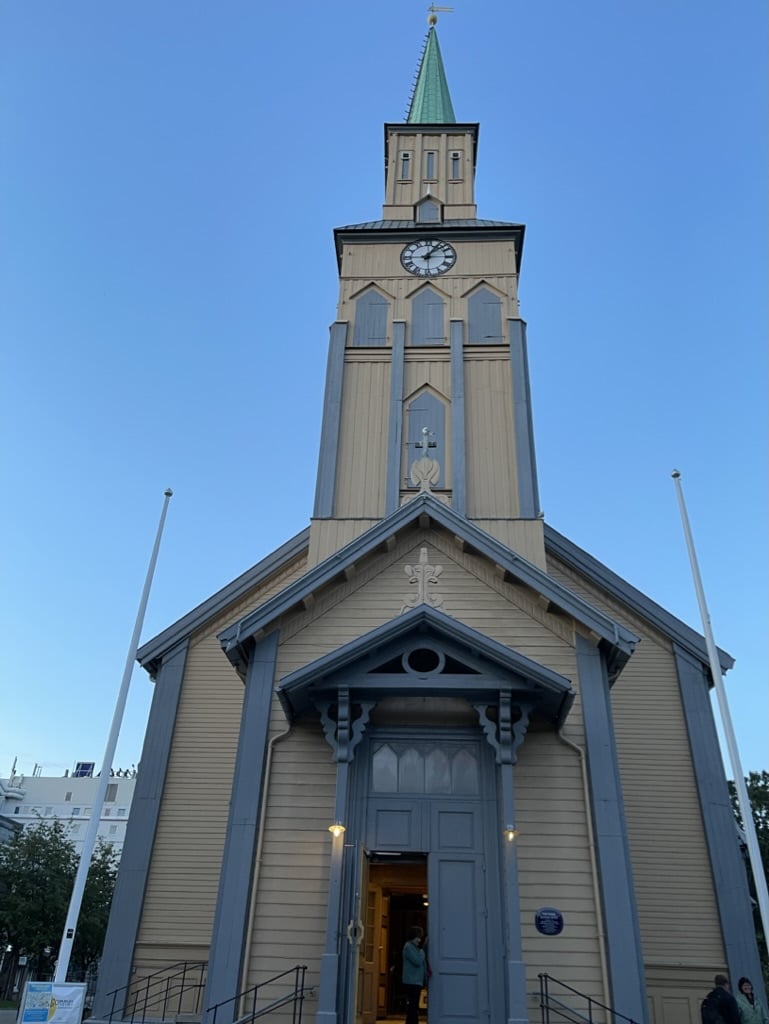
x: 429, y: 707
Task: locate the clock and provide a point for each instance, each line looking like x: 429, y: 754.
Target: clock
x: 428, y: 257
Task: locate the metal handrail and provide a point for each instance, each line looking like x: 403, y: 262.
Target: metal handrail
x: 161, y: 989
x: 549, y: 1003
x: 295, y: 997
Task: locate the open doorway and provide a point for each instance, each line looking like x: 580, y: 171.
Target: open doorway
x: 396, y: 900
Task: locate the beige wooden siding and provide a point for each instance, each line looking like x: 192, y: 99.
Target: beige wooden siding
x: 288, y: 925
x: 671, y: 867
x: 435, y: 372
x: 523, y: 536
x: 190, y: 833
x: 362, y: 453
x: 554, y: 864
x: 492, y: 485
x: 329, y: 535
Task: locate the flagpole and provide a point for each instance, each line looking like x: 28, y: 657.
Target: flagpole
x: 76, y: 899
x: 743, y: 800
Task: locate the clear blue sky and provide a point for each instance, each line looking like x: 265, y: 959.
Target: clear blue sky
x: 167, y: 278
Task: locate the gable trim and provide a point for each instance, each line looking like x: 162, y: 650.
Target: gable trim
x: 576, y: 558
x: 617, y: 639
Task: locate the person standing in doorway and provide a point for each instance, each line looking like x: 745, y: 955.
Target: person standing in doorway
x: 413, y: 972
x: 752, y: 1010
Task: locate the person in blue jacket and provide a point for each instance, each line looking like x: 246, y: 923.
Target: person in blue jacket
x: 414, y: 971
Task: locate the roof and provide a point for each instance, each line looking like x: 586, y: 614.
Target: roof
x: 430, y: 100
x: 549, y: 692
x: 150, y: 654
x: 663, y: 620
x: 616, y: 639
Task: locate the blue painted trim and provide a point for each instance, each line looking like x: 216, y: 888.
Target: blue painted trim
x: 151, y: 654
x: 458, y: 456
x: 525, y: 457
x: 691, y: 641
x: 328, y: 991
x: 515, y: 967
x: 620, y: 641
x: 620, y: 914
x: 729, y: 875
x: 332, y: 415
x: 127, y: 902
x: 225, y: 965
x: 395, y: 428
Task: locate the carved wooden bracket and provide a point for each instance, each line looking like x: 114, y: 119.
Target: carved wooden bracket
x: 342, y: 733
x: 505, y: 735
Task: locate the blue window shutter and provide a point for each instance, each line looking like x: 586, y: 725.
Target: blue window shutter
x: 426, y: 411
x: 371, y: 315
x: 484, y: 314
x: 427, y: 319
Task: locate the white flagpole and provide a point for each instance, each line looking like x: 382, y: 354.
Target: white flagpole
x: 726, y: 721
x: 70, y: 926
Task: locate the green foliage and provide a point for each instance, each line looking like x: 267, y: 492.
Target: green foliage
x: 37, y: 873
x: 757, y: 785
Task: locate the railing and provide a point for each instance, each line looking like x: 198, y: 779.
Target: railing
x: 590, y: 1012
x: 251, y: 996
x: 161, y: 994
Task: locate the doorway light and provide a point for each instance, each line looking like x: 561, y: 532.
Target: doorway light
x: 510, y: 832
x: 336, y: 829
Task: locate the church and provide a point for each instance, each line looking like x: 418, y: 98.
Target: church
x: 429, y: 707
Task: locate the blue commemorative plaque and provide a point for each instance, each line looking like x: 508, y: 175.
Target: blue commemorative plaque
x: 549, y: 921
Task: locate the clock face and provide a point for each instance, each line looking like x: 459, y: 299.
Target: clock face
x: 428, y: 257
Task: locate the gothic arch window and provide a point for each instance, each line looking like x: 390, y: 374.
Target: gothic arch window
x: 425, y: 768
x: 428, y: 313
x: 484, y: 317
x: 428, y: 211
x: 426, y: 410
x: 372, y: 312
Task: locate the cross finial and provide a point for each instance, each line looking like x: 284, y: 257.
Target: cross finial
x: 432, y: 17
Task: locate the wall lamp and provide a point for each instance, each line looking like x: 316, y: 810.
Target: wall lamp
x: 510, y: 832
x: 336, y: 829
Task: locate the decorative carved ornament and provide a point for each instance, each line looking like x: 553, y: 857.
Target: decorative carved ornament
x: 423, y: 576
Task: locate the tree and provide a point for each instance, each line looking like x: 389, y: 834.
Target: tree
x: 757, y: 785
x: 37, y: 873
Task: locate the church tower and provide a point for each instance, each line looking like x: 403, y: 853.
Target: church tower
x: 427, y: 357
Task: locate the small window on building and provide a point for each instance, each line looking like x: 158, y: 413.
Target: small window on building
x: 455, y: 166
x: 372, y: 312
x: 428, y: 212
x: 405, y: 166
x: 111, y: 796
x: 113, y: 830
x: 68, y: 797
x: 87, y: 812
x: 76, y: 810
x: 430, y: 165
x: 107, y: 812
x: 48, y: 811
x: 74, y: 828
x: 121, y: 812
x: 16, y: 810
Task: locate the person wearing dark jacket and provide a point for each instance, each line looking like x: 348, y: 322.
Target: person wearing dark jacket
x: 724, y: 1001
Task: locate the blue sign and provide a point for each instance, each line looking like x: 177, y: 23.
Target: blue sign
x: 549, y: 921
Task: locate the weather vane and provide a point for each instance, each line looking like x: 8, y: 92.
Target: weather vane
x: 432, y: 17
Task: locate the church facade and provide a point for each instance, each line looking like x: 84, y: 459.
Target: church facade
x: 429, y: 707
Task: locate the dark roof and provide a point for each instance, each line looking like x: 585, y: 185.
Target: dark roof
x: 413, y: 225
x: 150, y: 654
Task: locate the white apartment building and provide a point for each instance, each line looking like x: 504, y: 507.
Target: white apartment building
x: 28, y: 799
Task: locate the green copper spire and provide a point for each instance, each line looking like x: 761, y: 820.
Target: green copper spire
x: 430, y: 102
